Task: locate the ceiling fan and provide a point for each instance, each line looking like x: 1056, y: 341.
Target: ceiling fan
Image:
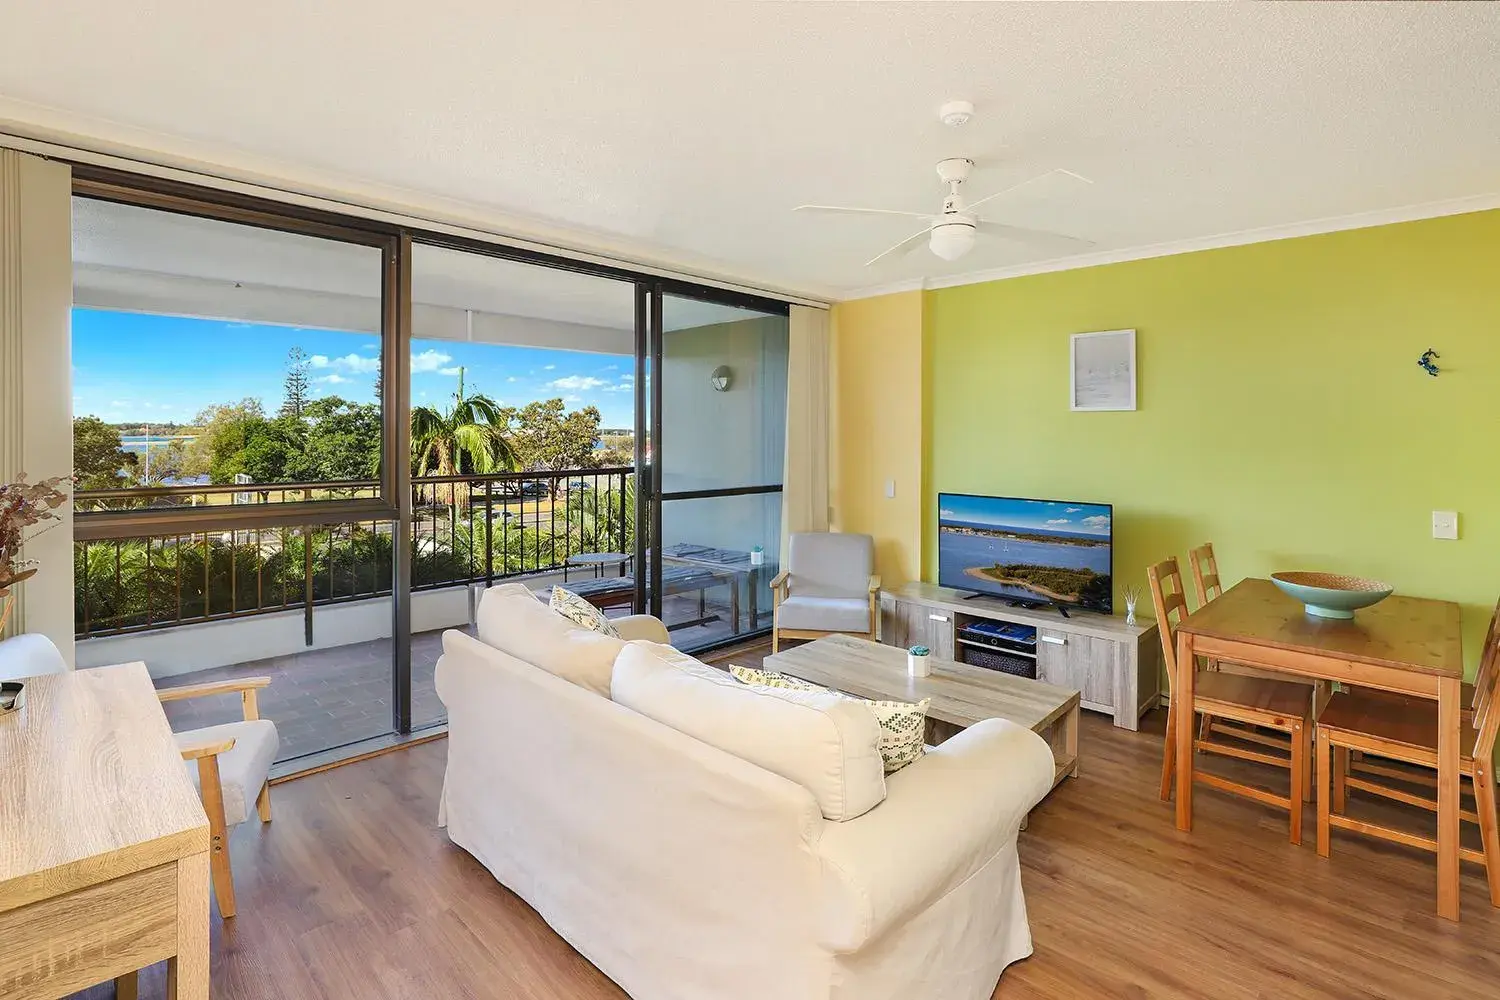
x: 952, y: 233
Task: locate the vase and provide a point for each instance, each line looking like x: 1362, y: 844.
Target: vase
x: 919, y: 665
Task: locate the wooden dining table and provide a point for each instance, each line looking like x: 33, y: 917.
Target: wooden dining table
x: 1408, y: 645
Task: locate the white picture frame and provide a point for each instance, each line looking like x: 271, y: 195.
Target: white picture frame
x: 1102, y: 371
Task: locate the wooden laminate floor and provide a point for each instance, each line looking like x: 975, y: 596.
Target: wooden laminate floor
x: 353, y: 892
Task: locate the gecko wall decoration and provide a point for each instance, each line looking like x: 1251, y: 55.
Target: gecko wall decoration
x: 1426, y: 362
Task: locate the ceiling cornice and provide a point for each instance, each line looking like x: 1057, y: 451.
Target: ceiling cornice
x: 1265, y: 234
x: 53, y: 131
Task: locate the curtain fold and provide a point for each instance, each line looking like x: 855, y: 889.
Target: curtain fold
x: 36, y: 426
x: 804, y: 497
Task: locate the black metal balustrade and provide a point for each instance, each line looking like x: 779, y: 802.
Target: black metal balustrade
x: 465, y: 529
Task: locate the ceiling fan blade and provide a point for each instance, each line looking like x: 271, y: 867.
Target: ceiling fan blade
x: 1033, y: 180
x: 906, y: 245
x: 841, y: 210
x: 1023, y: 235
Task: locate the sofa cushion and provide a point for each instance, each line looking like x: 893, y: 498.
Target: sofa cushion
x: 243, y: 768
x: 580, y: 612
x: 512, y: 620
x: 825, y: 743
x: 903, y: 725
x: 827, y: 614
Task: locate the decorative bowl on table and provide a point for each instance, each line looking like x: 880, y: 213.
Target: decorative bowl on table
x: 1332, y: 595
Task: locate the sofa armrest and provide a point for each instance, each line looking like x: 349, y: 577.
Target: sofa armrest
x: 943, y: 819
x: 641, y: 627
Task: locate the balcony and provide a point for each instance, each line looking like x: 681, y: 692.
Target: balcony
x: 310, y: 606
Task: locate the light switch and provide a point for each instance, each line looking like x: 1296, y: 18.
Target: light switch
x: 890, y: 489
x: 1445, y: 524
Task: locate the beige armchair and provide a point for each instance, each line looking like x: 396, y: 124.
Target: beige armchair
x: 829, y: 585
x: 231, y: 765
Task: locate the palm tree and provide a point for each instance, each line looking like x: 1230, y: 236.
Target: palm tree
x: 469, y: 438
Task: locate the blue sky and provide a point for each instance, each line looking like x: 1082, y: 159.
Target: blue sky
x: 1048, y: 515
x: 139, y: 367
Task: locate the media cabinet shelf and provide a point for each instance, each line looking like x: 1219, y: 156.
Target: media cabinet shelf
x: 1115, y: 667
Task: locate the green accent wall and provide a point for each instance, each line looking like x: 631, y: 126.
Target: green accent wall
x: 1282, y: 414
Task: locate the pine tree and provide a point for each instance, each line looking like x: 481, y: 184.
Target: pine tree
x: 294, y: 390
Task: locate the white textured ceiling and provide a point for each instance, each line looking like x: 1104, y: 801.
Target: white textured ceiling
x: 685, y: 131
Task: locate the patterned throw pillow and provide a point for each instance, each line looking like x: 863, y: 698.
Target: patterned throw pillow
x: 580, y: 612
x: 902, y: 724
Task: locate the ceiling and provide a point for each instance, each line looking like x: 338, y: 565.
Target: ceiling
x: 146, y: 241
x: 684, y: 132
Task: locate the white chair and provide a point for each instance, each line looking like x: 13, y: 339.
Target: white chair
x: 29, y: 655
x: 829, y: 586
x: 229, y: 764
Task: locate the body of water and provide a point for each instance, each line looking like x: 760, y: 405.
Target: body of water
x: 958, y: 552
x: 136, y: 443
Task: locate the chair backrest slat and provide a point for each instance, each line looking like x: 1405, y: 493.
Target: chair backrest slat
x: 1486, y: 682
x: 1205, y: 573
x: 1168, y: 598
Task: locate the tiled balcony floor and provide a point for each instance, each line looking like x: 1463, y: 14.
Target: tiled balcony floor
x: 326, y: 698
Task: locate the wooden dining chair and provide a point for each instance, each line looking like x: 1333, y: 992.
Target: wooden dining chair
x: 1208, y: 585
x: 1281, y: 706
x: 1406, y: 730
x: 1205, y: 573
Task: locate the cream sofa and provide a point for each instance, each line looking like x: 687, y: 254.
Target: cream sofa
x: 685, y: 872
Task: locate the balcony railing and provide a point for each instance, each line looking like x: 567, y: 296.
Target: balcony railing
x: 465, y: 529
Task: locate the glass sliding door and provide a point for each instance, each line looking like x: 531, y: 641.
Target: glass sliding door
x: 719, y: 457
x: 523, y: 441
x: 232, y: 509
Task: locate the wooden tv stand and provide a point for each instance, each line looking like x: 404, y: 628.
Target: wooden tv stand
x: 1115, y: 667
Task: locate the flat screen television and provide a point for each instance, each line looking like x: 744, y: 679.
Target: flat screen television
x: 1033, y: 552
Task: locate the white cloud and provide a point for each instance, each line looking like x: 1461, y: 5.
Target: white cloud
x: 548, y: 368
x: 450, y: 371
x: 511, y: 379
x: 429, y: 361
x: 622, y: 387
x: 333, y: 379
x: 1097, y: 521
x: 628, y: 377
x: 349, y: 362
x: 1058, y: 520
x: 577, y: 383
x: 1071, y: 510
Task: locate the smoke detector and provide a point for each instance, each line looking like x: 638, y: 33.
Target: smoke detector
x: 956, y: 113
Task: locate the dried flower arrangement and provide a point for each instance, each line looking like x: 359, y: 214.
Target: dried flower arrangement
x: 23, y: 505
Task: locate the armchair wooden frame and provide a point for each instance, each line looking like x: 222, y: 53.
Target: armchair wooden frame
x: 212, y: 790
x: 1246, y: 700
x: 779, y: 593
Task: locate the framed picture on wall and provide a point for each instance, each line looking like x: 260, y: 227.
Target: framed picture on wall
x: 1103, y: 376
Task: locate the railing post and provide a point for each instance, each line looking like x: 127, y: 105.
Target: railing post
x: 489, y: 538
x: 307, y: 586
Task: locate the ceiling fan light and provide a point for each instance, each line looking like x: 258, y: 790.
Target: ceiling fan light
x: 952, y: 240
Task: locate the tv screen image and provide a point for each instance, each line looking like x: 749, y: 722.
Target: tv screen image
x: 1041, y: 551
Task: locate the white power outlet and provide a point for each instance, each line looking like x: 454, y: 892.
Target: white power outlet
x: 1445, y: 524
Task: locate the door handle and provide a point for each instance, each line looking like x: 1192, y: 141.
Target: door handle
x: 1055, y: 640
x: 938, y: 618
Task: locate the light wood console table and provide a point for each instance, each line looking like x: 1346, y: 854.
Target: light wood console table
x: 103, y: 841
x: 1117, y: 667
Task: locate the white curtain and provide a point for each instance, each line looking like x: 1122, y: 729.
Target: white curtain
x: 804, y: 497
x: 36, y: 427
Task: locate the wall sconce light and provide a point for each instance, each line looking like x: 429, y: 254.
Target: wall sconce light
x: 720, y: 378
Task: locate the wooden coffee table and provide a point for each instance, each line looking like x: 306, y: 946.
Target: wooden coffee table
x: 961, y: 694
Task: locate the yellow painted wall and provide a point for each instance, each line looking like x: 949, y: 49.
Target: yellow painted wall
x: 876, y: 427
x: 1281, y: 414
